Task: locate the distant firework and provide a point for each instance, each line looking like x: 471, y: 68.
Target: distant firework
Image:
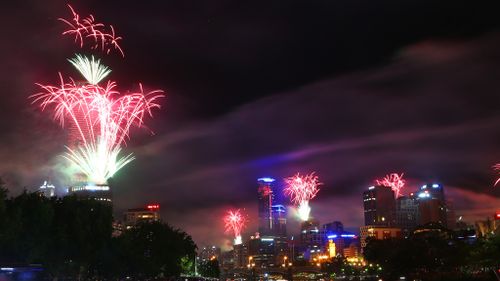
x: 496, y: 167
x: 234, y: 222
x: 301, y: 189
x: 394, y: 181
x: 87, y: 29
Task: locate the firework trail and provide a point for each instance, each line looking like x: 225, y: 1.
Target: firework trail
x: 234, y: 222
x: 496, y: 167
x: 394, y: 181
x: 109, y: 117
x: 101, y: 115
x: 301, y: 189
x: 87, y: 29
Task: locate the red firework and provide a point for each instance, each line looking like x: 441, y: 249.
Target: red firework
x: 394, y: 181
x: 103, y: 118
x: 102, y: 36
x: 234, y: 221
x: 301, y: 189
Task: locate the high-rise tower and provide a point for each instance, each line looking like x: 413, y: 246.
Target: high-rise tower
x: 380, y: 206
x: 265, y: 208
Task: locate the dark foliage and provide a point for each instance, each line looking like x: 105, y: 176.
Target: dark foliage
x: 72, y: 238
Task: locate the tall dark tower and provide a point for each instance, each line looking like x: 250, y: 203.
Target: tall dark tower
x: 432, y: 205
x: 265, y: 197
x: 380, y: 206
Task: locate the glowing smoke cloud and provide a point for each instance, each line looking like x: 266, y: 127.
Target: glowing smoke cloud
x: 301, y: 189
x: 394, y: 181
x: 234, y: 222
x: 102, y: 116
x: 496, y: 167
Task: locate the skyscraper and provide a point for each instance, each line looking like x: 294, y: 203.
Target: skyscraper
x: 407, y: 213
x: 379, y: 206
x: 278, y: 214
x: 265, y: 203
x: 432, y: 205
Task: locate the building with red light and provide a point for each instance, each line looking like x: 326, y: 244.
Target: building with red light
x: 149, y: 213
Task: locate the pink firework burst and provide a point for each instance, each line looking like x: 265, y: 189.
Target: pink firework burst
x: 394, y: 181
x: 496, y: 167
x: 103, y: 118
x: 301, y: 189
x: 234, y: 221
x: 87, y: 29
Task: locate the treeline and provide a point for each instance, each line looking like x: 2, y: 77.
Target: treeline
x: 72, y: 238
x: 436, y: 255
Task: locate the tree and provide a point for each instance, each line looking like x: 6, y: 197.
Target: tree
x: 154, y: 250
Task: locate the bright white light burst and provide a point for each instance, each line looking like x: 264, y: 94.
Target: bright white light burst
x: 91, y: 69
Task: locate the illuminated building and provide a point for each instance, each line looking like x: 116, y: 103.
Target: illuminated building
x: 278, y: 214
x: 271, y: 243
x: 262, y: 251
x: 47, y: 189
x: 378, y: 232
x: 148, y: 214
x: 240, y: 255
x: 209, y: 253
x: 91, y: 191
x: 265, y: 203
x: 432, y: 205
x: 379, y: 206
x: 352, y: 251
x: 407, y: 213
x: 334, y: 233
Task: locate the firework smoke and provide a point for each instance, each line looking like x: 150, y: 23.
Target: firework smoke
x: 234, y: 222
x: 301, y: 189
x: 394, y: 181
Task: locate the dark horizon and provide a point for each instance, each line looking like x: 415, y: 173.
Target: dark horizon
x: 350, y: 90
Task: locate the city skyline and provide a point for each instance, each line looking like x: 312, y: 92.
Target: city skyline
x: 405, y: 109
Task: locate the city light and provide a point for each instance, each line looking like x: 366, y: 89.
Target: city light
x: 153, y: 207
x: 266, y: 179
x: 301, y: 189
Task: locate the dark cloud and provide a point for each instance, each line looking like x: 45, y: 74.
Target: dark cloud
x: 431, y: 114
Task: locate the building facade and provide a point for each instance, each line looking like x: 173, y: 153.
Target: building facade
x: 149, y: 213
x: 379, y: 206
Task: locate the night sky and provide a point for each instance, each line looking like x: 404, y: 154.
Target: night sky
x: 350, y: 89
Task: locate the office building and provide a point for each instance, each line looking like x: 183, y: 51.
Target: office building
x: 378, y: 232
x: 265, y: 203
x: 407, y: 213
x: 92, y: 191
x: 149, y: 213
x: 379, y: 206
x: 278, y: 219
x: 432, y: 205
